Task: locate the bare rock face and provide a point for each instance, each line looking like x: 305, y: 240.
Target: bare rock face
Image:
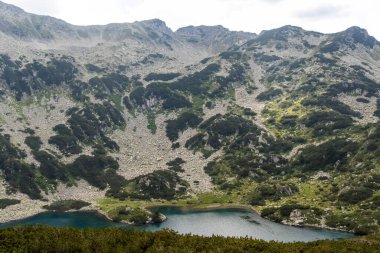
x: 321, y: 175
x: 297, y: 217
x: 288, y: 190
x: 206, y: 36
x: 356, y: 35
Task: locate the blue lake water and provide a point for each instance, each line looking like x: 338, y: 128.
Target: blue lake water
x: 225, y: 222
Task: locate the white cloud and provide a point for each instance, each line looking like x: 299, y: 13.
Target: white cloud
x: 36, y: 6
x: 248, y: 15
x: 324, y: 11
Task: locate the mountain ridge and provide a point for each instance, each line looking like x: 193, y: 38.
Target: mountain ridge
x: 286, y: 121
x: 34, y: 27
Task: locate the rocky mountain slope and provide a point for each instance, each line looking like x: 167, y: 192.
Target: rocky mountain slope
x: 286, y: 121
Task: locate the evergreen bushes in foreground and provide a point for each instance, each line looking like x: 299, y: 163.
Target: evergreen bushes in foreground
x: 46, y: 239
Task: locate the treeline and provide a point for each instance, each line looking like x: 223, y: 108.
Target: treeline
x: 46, y: 239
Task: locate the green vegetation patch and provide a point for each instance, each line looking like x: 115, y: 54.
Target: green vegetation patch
x: 269, y: 94
x: 231, y: 55
x: 355, y: 195
x: 283, y: 212
x: 4, y: 203
x: 184, y: 121
x: 127, y: 103
x: 328, y: 102
x: 176, y: 164
x: 109, y: 84
x: 261, y: 57
x: 93, y: 68
x: 135, y: 215
x: 160, y: 184
x: 22, y: 80
x: 99, y: 170
x: 223, y: 130
x: 65, y: 140
x: 332, y: 154
x: 161, y: 76
x: 93, y: 122
x: 152, y: 122
x: 271, y: 192
x: 171, y: 100
x: 33, y: 142
x: 19, y: 175
x: 327, y: 122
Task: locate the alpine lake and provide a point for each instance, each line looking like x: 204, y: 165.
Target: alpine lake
x: 232, y: 222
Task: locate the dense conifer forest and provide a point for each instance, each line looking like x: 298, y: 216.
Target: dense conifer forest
x: 47, y: 239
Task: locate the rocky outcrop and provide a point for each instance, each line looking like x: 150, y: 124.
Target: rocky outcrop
x: 297, y: 217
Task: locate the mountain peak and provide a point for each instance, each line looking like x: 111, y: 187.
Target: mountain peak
x: 153, y: 23
x: 356, y: 32
x: 356, y: 29
x: 283, y: 34
x: 206, y: 36
x: 356, y: 35
x: 199, y: 30
x: 291, y: 28
x: 9, y: 7
x: 9, y: 10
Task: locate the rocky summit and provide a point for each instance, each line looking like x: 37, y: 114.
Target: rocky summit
x: 286, y: 121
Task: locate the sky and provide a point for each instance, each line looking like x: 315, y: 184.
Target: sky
x: 327, y: 16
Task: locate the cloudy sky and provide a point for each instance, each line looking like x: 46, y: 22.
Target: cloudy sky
x: 249, y: 15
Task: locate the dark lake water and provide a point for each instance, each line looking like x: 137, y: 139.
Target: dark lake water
x: 225, y: 222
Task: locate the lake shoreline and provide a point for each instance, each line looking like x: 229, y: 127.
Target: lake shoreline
x: 206, y: 207
x: 99, y: 212
x: 245, y: 207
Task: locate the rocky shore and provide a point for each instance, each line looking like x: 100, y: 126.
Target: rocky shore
x: 34, y: 207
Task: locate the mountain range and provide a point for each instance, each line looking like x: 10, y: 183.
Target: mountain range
x: 286, y: 120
